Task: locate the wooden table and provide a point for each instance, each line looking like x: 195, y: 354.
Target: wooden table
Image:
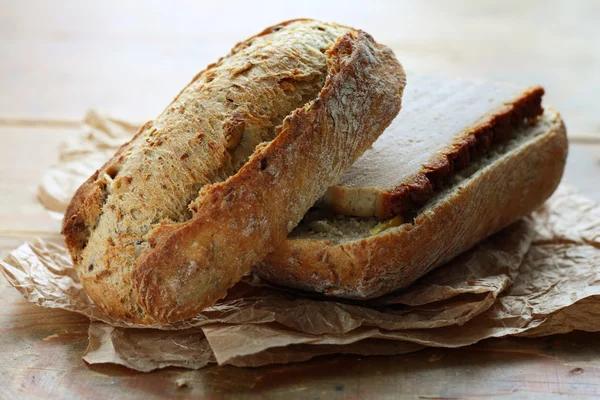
x: 130, y: 57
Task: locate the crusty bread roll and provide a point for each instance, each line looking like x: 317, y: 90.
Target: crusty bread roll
x: 212, y: 185
x: 364, y: 257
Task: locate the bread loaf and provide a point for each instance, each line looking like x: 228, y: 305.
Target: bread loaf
x: 212, y: 185
x: 363, y: 257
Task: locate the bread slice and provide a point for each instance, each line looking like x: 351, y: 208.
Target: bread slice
x: 221, y: 177
x: 344, y: 256
x: 443, y: 125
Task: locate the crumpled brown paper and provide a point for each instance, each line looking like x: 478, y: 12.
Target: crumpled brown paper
x: 539, y: 276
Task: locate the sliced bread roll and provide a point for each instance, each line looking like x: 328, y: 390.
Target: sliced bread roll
x: 221, y: 177
x: 365, y: 257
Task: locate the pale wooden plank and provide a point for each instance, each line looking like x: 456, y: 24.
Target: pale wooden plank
x: 39, y: 123
x: 583, y: 169
x: 582, y: 139
x: 10, y: 241
x: 24, y: 155
x: 131, y: 58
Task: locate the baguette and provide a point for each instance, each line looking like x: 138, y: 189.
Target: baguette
x: 218, y: 180
x: 361, y: 258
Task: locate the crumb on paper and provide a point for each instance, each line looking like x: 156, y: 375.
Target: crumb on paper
x: 577, y: 371
x: 183, y: 383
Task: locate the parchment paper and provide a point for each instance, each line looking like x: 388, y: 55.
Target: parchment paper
x: 540, y: 276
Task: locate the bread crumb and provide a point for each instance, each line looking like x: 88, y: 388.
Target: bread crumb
x: 183, y: 383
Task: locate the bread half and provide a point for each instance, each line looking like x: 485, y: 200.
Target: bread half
x: 444, y: 124
x: 221, y: 177
x: 345, y: 257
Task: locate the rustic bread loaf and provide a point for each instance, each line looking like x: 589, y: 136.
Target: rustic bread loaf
x: 212, y: 185
x: 361, y: 258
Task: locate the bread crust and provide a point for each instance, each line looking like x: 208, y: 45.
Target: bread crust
x: 187, y: 262
x: 511, y: 188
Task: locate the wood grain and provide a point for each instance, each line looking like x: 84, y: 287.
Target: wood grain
x: 25, y: 153
x: 131, y: 57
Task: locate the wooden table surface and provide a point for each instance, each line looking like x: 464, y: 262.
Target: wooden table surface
x: 129, y: 58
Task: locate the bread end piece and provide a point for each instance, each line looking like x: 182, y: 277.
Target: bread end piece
x: 510, y: 187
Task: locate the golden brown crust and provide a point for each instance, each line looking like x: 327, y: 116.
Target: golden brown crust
x: 85, y: 207
x: 139, y: 202
x: 509, y: 189
x: 241, y: 220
